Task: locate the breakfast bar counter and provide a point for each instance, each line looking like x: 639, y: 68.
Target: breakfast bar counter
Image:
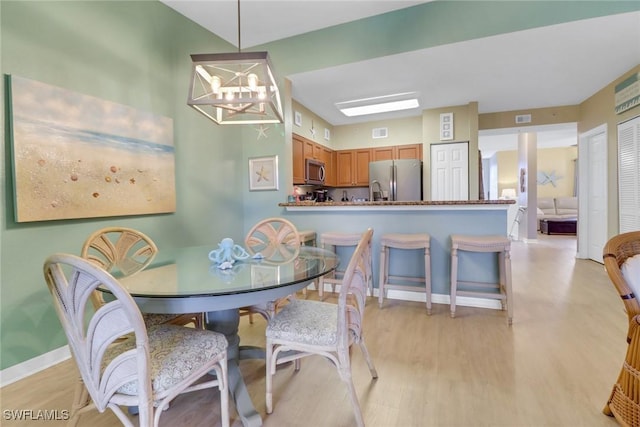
x: 440, y: 219
x: 390, y: 205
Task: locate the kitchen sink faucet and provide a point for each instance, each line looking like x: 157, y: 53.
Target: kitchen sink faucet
x: 375, y: 195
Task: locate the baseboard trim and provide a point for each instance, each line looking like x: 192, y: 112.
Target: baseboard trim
x: 29, y: 367
x: 420, y: 296
x: 442, y: 299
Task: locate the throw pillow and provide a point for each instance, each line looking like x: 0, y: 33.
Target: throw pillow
x: 631, y: 271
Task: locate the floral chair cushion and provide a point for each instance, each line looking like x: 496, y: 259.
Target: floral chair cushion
x: 175, y: 351
x: 305, y: 321
x: 152, y: 319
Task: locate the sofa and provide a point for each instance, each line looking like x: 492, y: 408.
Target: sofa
x: 558, y: 207
x: 557, y: 215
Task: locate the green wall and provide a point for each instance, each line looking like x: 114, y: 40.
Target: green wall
x: 137, y: 54
x: 427, y: 25
x: 133, y: 53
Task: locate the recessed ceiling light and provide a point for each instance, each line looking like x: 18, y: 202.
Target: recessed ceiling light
x: 379, y: 104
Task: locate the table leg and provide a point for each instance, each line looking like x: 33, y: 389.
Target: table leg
x: 238, y: 389
x: 251, y: 352
x: 226, y: 322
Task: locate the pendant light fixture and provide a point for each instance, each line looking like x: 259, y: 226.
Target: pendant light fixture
x: 235, y: 88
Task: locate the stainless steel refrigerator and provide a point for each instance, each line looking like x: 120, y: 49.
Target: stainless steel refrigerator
x: 399, y: 180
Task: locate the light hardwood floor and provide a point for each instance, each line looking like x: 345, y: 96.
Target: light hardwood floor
x: 554, y: 367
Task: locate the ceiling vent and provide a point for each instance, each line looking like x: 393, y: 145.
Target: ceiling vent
x: 523, y: 118
x: 377, y: 133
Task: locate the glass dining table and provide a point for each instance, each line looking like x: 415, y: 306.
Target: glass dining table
x: 184, y: 280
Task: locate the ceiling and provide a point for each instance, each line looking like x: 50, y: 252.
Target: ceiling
x: 264, y: 21
x: 556, y: 65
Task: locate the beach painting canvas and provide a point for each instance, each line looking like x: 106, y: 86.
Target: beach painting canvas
x: 77, y: 156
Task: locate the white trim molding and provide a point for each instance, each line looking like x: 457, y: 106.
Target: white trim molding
x: 420, y: 296
x: 29, y: 367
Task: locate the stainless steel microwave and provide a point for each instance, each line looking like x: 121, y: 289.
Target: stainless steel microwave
x: 314, y: 172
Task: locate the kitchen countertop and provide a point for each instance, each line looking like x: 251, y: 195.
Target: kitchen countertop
x: 411, y: 203
x: 390, y: 205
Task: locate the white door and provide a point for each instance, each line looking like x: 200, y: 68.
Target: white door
x: 593, y: 192
x: 629, y: 175
x: 450, y: 171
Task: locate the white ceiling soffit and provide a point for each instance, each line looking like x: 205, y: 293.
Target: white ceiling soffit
x: 557, y: 65
x: 264, y: 21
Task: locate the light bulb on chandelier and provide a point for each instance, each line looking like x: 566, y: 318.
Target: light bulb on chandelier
x: 216, y: 83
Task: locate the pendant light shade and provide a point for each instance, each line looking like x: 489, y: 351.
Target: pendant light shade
x: 235, y: 88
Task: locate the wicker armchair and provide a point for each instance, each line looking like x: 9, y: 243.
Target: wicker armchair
x: 624, y: 402
x: 126, y: 251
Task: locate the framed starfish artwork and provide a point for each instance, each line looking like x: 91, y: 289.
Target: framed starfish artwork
x: 263, y: 173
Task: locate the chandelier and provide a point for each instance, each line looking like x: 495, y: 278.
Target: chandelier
x: 235, y: 88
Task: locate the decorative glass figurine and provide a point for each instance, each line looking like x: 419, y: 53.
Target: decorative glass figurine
x: 227, y: 254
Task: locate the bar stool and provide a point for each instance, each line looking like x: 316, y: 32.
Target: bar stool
x: 499, y: 244
x: 335, y: 239
x: 307, y: 238
x: 404, y: 241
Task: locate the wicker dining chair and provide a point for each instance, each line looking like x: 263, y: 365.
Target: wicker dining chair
x: 125, y: 251
x: 624, y: 402
x: 278, y: 241
x: 325, y: 329
x: 122, y: 362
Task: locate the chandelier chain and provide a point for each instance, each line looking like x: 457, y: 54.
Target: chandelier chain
x: 239, y: 26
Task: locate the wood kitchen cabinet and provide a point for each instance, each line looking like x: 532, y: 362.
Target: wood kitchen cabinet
x: 312, y: 150
x: 353, y: 167
x: 382, y: 153
x: 410, y: 151
x: 328, y: 158
x: 308, y: 149
x: 298, y: 160
x: 344, y: 159
x: 303, y: 149
x: 362, y: 159
x: 346, y: 168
